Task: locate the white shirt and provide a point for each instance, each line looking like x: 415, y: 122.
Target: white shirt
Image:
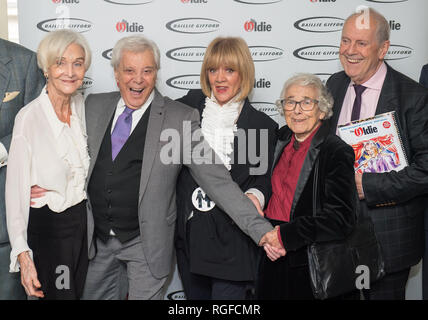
x: 219, y: 127
x: 46, y: 152
x: 136, y: 115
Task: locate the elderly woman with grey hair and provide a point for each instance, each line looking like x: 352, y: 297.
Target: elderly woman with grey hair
x: 48, y: 150
x: 304, y: 144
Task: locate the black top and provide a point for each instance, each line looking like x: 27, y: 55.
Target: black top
x: 216, y: 246
x: 114, y: 203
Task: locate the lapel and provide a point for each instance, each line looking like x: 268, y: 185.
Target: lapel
x: 338, y: 102
x: 309, y: 162
x: 244, y: 123
x: 388, y: 99
x: 4, y: 76
x: 102, y: 121
x: 284, y: 139
x: 154, y: 128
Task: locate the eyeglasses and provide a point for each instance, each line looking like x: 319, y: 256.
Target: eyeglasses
x: 306, y: 104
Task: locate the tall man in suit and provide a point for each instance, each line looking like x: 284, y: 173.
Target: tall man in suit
x: 131, y: 188
x: 20, y: 82
x: 394, y: 200
x: 423, y: 80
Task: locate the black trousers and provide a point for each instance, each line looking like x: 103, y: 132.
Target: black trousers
x: 59, y: 244
x: 278, y: 280
x: 391, y: 287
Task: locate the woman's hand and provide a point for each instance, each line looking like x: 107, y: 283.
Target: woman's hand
x: 29, y: 279
x: 272, y: 245
x: 36, y: 192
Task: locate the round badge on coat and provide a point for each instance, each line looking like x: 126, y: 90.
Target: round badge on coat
x: 201, y: 201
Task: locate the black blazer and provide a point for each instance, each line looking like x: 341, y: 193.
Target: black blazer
x: 218, y: 248
x: 423, y: 79
x: 396, y: 200
x: 336, y: 194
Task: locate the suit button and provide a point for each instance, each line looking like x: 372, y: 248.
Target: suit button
x: 108, y: 190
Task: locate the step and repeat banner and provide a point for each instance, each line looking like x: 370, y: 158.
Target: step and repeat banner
x: 284, y: 37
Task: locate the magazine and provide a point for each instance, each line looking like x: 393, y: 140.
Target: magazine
x: 376, y: 142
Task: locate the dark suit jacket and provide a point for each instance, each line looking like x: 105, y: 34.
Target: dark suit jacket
x: 218, y: 247
x: 336, y: 194
x: 18, y: 73
x: 423, y: 80
x: 396, y: 200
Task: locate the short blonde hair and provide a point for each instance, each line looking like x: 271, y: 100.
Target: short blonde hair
x: 55, y: 43
x: 232, y: 52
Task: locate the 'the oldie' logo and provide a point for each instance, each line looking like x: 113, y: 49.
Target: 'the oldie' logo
x: 365, y: 130
x: 125, y: 26
x: 253, y: 25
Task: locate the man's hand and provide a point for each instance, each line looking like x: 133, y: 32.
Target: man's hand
x: 359, y: 184
x: 271, y: 245
x: 256, y: 203
x: 29, y: 278
x: 37, y: 192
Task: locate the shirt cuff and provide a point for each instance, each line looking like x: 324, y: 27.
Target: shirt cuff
x: 3, y: 155
x: 259, y: 195
x: 19, y: 245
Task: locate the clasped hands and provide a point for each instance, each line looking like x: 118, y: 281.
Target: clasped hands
x: 269, y: 241
x: 272, y: 245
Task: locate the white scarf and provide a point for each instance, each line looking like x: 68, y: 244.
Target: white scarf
x: 219, y: 126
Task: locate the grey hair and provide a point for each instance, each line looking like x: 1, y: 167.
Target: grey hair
x: 308, y: 79
x: 136, y: 44
x: 55, y: 43
x: 382, y: 26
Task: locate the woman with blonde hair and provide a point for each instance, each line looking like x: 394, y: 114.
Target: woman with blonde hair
x: 216, y: 260
x: 48, y: 150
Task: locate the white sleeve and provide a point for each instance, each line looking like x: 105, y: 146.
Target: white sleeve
x: 3, y: 155
x: 259, y: 195
x: 18, y: 197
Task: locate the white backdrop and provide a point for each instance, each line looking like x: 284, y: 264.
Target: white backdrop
x: 284, y: 36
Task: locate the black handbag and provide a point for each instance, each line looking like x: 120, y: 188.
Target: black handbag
x: 333, y: 264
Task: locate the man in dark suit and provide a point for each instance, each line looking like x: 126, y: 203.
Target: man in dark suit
x: 423, y: 80
x: 20, y: 82
x: 394, y: 200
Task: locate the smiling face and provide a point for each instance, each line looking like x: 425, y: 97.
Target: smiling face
x: 66, y: 75
x: 136, y: 77
x: 303, y: 123
x: 225, y: 83
x: 360, y: 53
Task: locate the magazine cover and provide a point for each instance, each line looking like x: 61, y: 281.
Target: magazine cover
x: 376, y: 142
